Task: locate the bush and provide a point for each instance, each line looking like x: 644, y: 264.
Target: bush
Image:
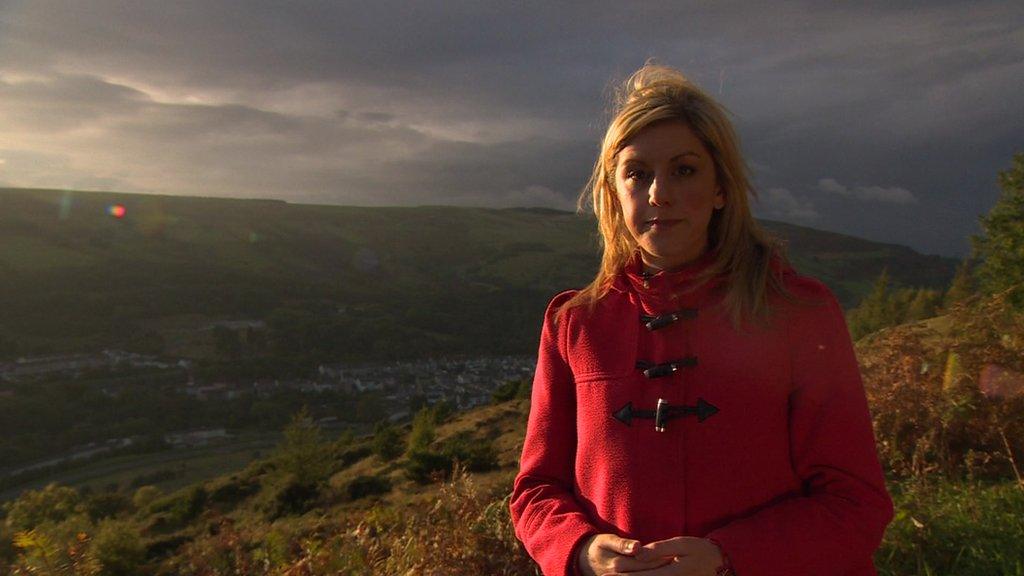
x: 477, y: 455
x: 423, y: 432
x: 443, y: 411
x: 288, y: 496
x: 512, y: 390
x: 229, y: 492
x: 106, y: 504
x: 53, y: 503
x: 145, y: 496
x: 930, y: 412
x: 177, y: 509
x: 363, y: 486
x: 463, y: 531
x: 118, y: 549
x: 387, y: 441
x: 425, y: 466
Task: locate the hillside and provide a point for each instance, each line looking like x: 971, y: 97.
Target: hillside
x: 333, y: 282
x: 378, y: 505
x: 182, y: 530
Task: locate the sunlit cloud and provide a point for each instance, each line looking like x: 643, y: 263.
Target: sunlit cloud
x: 780, y: 203
x: 495, y: 104
x: 893, y: 195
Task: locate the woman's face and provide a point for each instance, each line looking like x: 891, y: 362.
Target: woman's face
x: 666, y: 184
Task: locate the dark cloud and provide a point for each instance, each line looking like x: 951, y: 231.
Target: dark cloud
x: 908, y: 111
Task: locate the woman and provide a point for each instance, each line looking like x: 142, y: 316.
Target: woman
x: 698, y: 408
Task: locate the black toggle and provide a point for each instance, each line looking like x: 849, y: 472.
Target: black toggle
x: 654, y: 322
x: 665, y: 412
x: 658, y: 370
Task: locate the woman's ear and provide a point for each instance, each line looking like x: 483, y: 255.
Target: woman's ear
x: 719, y: 198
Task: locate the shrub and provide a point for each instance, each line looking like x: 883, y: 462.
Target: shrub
x: 177, y: 509
x: 425, y: 466
x: 929, y: 410
x: 118, y: 549
x: 477, y: 455
x: 106, y: 504
x: 287, y: 496
x: 145, y: 496
x: 387, y: 441
x: 463, y: 531
x: 443, y: 411
x: 363, y: 486
x: 53, y: 503
x: 229, y: 492
x: 512, y: 390
x: 423, y: 431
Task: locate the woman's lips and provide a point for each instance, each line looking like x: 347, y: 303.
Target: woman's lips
x: 662, y: 223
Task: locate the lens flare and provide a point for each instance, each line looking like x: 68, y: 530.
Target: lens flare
x: 999, y: 382
x: 117, y: 210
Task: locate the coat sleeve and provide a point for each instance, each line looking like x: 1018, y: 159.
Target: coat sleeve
x: 837, y: 522
x: 546, y: 516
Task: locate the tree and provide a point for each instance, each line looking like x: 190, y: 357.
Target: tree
x: 873, y: 313
x: 304, y: 452
x: 924, y: 304
x: 890, y: 306
x: 1000, y: 247
x: 423, y: 432
x: 387, y: 441
x: 962, y: 286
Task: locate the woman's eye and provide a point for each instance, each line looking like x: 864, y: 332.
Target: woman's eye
x: 639, y: 175
x: 684, y: 170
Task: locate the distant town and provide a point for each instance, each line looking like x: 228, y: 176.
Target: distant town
x: 465, y: 383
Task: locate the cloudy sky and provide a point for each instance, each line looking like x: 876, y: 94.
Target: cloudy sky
x: 883, y: 122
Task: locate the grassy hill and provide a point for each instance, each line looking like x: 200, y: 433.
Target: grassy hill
x: 369, y: 505
x: 359, y: 283
x: 946, y: 439
x: 369, y: 517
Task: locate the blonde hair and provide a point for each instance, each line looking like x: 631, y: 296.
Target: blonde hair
x: 657, y: 93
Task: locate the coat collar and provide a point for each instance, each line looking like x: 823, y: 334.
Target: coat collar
x: 667, y: 287
x: 672, y: 289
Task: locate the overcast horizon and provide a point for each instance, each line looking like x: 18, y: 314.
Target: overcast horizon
x: 881, y: 122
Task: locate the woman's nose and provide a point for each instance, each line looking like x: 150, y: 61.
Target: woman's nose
x: 657, y: 194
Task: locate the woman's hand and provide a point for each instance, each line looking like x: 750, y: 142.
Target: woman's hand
x: 609, y: 554
x: 682, y: 556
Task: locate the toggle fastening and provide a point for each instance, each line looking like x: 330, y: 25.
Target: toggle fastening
x: 654, y: 322
x: 665, y: 412
x: 658, y: 370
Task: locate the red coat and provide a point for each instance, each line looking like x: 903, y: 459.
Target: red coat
x: 769, y: 447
